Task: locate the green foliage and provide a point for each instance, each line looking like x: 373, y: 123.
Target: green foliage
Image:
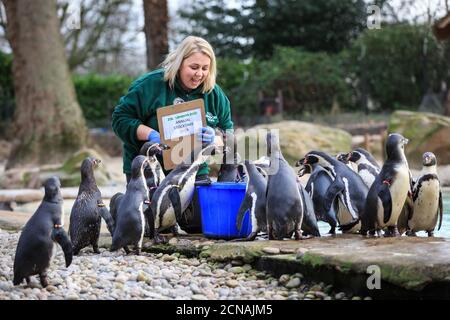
x: 309, y: 81
x: 397, y: 65
x: 258, y: 27
x: 98, y: 95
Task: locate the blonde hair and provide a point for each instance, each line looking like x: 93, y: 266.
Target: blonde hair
x: 186, y: 48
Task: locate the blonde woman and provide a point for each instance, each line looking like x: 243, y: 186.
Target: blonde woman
x: 188, y: 73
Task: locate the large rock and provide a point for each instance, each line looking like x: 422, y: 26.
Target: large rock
x: 426, y: 132
x: 68, y: 173
x: 297, y: 138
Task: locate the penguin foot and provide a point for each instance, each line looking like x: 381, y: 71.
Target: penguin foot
x: 43, y: 279
x: 28, y: 280
x: 95, y: 248
x: 430, y: 233
x: 159, y: 239
x: 332, y: 230
x: 392, y: 232
x: 410, y: 233
x: 127, y: 251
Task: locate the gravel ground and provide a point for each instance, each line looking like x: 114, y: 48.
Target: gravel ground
x: 111, y: 276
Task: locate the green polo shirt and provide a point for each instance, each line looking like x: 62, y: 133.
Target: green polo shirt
x: 150, y: 92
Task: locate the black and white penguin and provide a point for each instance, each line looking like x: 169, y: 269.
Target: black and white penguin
x: 88, y: 210
x: 153, y: 173
x: 175, y: 193
x: 427, y: 199
x: 318, y: 183
x: 229, y: 168
x: 129, y: 209
x: 35, y: 247
x: 388, y: 193
x: 347, y: 186
x: 254, y: 201
x: 284, y: 203
x: 368, y: 168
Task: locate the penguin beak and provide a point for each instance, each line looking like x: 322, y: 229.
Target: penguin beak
x: 300, y: 162
x: 301, y: 172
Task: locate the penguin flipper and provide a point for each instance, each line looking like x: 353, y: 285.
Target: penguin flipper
x: 114, y: 204
x: 385, y: 196
x: 440, y: 209
x: 106, y: 215
x: 332, y: 191
x: 148, y: 214
x: 174, y: 196
x: 60, y: 236
x: 246, y: 204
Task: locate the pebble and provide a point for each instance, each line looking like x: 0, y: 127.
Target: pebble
x: 293, y: 283
x: 115, y: 276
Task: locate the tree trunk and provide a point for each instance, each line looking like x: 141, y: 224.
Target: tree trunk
x: 48, y: 124
x: 156, y: 20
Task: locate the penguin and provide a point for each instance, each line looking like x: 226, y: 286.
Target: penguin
x: 175, y: 193
x: 347, y: 186
x: 309, y: 224
x: 318, y: 183
x: 88, y: 210
x: 35, y: 247
x: 367, y: 166
x: 129, y: 209
x: 389, y: 191
x: 284, y: 205
x: 427, y: 199
x: 153, y: 173
x: 229, y: 168
x: 254, y: 201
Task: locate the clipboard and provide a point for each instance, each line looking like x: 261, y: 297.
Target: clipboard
x: 178, y: 125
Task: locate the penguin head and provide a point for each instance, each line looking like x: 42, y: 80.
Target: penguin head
x: 354, y: 156
x: 428, y: 159
x: 88, y: 165
x: 304, y: 168
x: 273, y: 142
x: 395, y: 146
x: 311, y: 158
x: 52, y: 189
x: 150, y: 149
x: 138, y: 166
x: 343, y: 157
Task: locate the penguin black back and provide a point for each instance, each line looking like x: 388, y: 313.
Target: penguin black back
x: 87, y: 210
x: 284, y: 208
x: 130, y: 220
x: 35, y: 246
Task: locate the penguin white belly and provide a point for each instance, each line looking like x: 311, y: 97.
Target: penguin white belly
x: 252, y: 212
x: 141, y: 215
x: 344, y: 217
x: 426, y: 207
x: 186, y: 195
x: 399, y: 191
x: 367, y: 177
x: 168, y: 219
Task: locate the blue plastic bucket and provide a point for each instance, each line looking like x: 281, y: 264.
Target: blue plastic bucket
x: 219, y: 205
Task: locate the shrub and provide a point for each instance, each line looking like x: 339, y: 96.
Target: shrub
x: 98, y: 95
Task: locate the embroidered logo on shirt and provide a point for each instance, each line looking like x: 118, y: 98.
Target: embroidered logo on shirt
x: 211, y: 118
x: 178, y: 100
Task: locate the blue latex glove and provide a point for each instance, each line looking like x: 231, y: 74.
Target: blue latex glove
x: 207, y: 135
x: 154, y: 136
